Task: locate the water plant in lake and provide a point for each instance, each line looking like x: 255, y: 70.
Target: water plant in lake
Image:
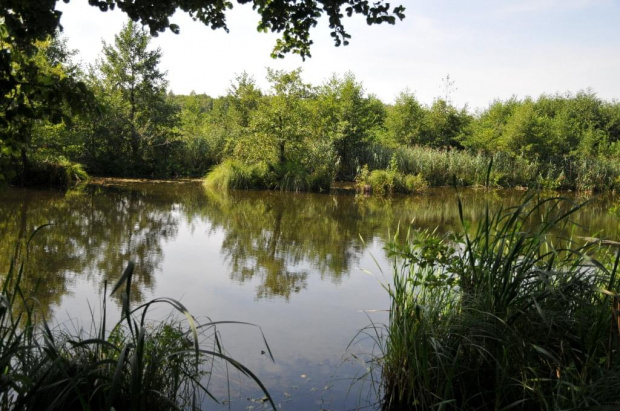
x: 287, y: 176
x: 505, y: 315
x: 137, y: 364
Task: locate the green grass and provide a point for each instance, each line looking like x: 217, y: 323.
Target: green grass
x: 233, y: 174
x: 133, y: 363
x: 386, y: 182
x: 289, y: 176
x: 507, y: 314
x: 448, y: 167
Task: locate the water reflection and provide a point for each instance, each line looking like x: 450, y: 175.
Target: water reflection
x: 94, y: 232
x: 274, y: 239
x: 282, y: 260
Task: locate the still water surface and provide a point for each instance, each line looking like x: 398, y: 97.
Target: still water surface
x: 307, y: 268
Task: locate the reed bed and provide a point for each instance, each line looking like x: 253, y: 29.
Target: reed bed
x: 441, y: 167
x: 509, y: 314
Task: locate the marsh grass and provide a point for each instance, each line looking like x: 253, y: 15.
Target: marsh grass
x: 234, y: 174
x: 386, y: 182
x: 288, y: 176
x: 442, y: 167
x: 136, y: 364
x: 507, y: 314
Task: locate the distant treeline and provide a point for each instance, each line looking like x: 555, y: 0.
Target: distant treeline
x: 296, y: 135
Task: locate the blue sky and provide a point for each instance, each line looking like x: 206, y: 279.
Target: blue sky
x: 490, y: 49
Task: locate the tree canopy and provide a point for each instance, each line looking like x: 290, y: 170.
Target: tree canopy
x: 28, y: 20
x: 32, y: 90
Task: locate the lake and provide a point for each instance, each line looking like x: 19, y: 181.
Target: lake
x: 307, y: 268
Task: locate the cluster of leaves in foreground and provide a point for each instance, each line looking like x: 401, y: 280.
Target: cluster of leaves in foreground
x: 505, y: 315
x: 138, y: 365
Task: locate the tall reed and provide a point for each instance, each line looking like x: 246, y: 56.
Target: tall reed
x: 509, y: 314
x: 440, y: 167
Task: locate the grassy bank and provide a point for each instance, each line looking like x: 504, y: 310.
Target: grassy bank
x: 440, y: 167
x: 289, y: 176
x: 384, y: 170
x: 133, y: 363
x: 505, y: 315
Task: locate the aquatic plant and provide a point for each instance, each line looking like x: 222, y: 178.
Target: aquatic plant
x: 59, y: 173
x: 234, y: 174
x: 504, y: 315
x: 287, y: 176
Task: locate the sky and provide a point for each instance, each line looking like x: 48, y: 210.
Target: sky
x: 489, y: 49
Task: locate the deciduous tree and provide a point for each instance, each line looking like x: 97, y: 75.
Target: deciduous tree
x: 136, y: 89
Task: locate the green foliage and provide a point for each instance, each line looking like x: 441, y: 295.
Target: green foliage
x: 549, y: 128
x: 445, y: 125
x: 280, y: 122
x: 59, y: 173
x: 405, y: 122
x: 509, y: 316
x: 32, y: 90
x: 202, y: 136
x: 233, y: 174
x: 348, y: 119
x: 37, y: 84
x: 293, y: 20
x: 388, y: 181
x: 138, y: 120
x: 441, y: 125
x: 307, y: 136
x: 288, y: 176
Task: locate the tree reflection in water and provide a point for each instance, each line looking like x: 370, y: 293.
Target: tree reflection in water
x: 275, y: 239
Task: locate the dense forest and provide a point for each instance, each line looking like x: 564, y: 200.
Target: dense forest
x: 123, y: 121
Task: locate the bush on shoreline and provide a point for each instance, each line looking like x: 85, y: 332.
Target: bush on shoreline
x: 59, y: 173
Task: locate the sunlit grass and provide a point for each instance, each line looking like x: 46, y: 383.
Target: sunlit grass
x: 504, y: 315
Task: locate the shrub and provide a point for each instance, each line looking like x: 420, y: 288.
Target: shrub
x: 385, y: 182
x: 414, y: 183
x: 288, y: 176
x: 59, y: 173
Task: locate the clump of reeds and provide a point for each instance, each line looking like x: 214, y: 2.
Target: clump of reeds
x: 288, y: 176
x: 443, y: 167
x: 507, y: 314
x: 136, y: 364
x: 388, y: 181
x: 234, y: 174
